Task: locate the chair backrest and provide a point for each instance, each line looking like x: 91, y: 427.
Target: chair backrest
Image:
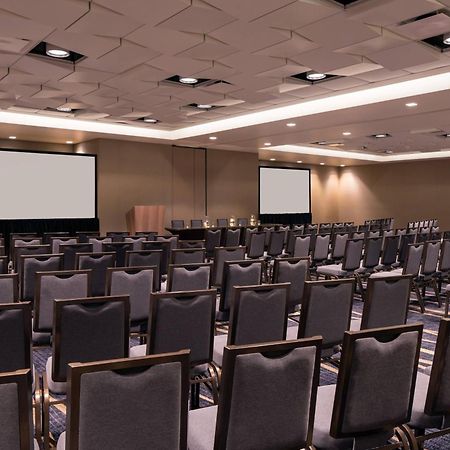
x: 386, y: 302
x: 192, y: 314
x: 117, y: 236
x: 31, y: 264
x: 294, y: 271
x: 136, y: 241
x: 9, y: 288
x: 24, y: 242
x: 300, y: 228
x: 137, y: 283
x: 372, y: 399
x: 15, y: 335
x: 149, y: 235
x: 232, y: 237
x: 431, y: 257
x: 325, y: 228
x: 276, y: 243
x: 83, y: 236
x: 258, y: 314
x: 222, y: 222
x: 405, y: 241
x: 390, y: 249
x: 338, y: 247
x: 196, y: 223
x: 16, y: 432
x: 3, y: 264
x: 251, y: 416
x: 50, y: 286
x: 374, y: 233
x: 320, y: 251
x: 327, y: 310
x: 137, y: 258
x: 353, y: 254
x: 70, y: 250
x: 201, y: 243
x: 189, y: 277
x: 248, y: 233
x: 302, y: 245
x: 372, y: 252
x: 268, y: 230
x: 173, y: 240
x: 242, y: 221
x: 49, y: 234
x: 98, y: 263
x: 155, y: 388
x: 444, y: 260
x: 359, y: 235
x: 120, y: 249
x: 177, y: 223
x: 212, y: 240
x: 97, y: 242
x: 29, y: 250
x: 2, y: 250
x: 165, y: 248
x: 286, y: 229
x: 414, y: 259
x: 188, y: 256
x: 257, y: 244
x: 222, y: 254
x: 89, y: 329
x: 246, y: 272
x: 56, y: 241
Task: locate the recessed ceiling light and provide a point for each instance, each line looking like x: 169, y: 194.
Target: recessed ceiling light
x: 56, y: 52
x: 69, y: 142
x: 12, y: 137
x: 299, y: 162
x: 291, y: 124
x: 315, y: 76
x: 411, y: 104
x: 150, y: 120
x: 346, y: 133
x: 188, y: 80
x: 213, y: 138
x: 447, y: 135
x: 272, y: 159
x: 322, y: 164
x: 342, y: 165
x: 267, y: 143
x: 202, y: 106
x: 446, y: 39
x: 381, y: 135
x: 388, y: 152
x: 63, y: 108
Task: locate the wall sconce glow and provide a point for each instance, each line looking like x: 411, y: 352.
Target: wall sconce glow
x: 12, y: 137
x: 291, y: 124
x: 446, y: 39
x: 381, y: 135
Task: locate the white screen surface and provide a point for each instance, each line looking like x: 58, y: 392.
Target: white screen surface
x: 46, y: 186
x: 283, y: 191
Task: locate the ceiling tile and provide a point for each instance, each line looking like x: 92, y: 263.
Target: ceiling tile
x: 326, y: 61
x: 442, y: 62
x: 425, y: 28
x: 14, y: 26
x: 252, y: 82
x: 210, y: 49
x: 42, y: 67
x: 286, y: 70
x: 310, y: 91
x: 375, y: 76
x: 14, y: 45
x: 146, y: 72
x: 85, y: 75
x: 339, y: 84
x: 252, y: 97
x: 179, y: 65
x: 216, y: 72
x: 14, y: 76
x: 73, y: 88
x: 220, y: 88
x: 251, y: 64
x: 356, y: 69
x: 293, y: 46
x: 129, y: 85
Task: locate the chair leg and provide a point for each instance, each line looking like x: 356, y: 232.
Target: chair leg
x: 419, y: 297
x: 46, y: 413
x: 37, y: 406
x: 447, y: 294
x: 195, y: 395
x: 359, y: 282
x: 436, y: 292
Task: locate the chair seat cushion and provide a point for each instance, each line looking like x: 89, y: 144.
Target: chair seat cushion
x: 391, y: 273
x: 138, y: 350
x: 54, y: 386
x: 61, y: 445
x: 219, y: 344
x: 201, y: 428
x: 332, y: 270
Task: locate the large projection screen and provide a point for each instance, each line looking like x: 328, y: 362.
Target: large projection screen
x: 38, y: 185
x: 284, y: 191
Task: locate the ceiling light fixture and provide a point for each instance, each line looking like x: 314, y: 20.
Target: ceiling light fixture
x: 322, y: 164
x: 299, y: 162
x: 213, y: 138
x: 446, y: 39
x: 411, y: 104
x: 342, y: 165
x: 150, y: 120
x: 267, y: 144
x: 56, y: 52
x: 63, y: 108
x: 12, y: 137
x: 381, y: 135
x: 346, y: 133
x: 188, y: 80
x: 291, y: 124
x: 202, y: 106
x: 272, y: 159
x: 315, y: 76
x: 69, y: 142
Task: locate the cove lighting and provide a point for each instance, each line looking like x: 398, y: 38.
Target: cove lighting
x: 69, y: 142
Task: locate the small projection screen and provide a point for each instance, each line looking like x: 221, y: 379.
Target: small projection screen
x: 39, y: 185
x: 284, y: 191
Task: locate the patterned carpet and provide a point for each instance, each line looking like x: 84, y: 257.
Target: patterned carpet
x: 328, y: 373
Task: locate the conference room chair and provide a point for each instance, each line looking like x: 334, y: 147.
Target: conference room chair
x: 370, y: 261
x: 9, y: 288
x: 319, y: 253
x: 49, y: 234
x: 84, y: 330
x: 386, y: 303
x: 196, y: 223
x: 137, y: 283
x: 56, y: 241
x: 200, y: 243
x: 405, y: 241
x: 257, y: 244
x: 302, y: 244
x: 30, y: 264
x: 296, y: 272
x: 232, y: 237
x: 98, y: 241
x: 173, y: 240
x: 312, y: 228
x: 192, y: 315
x: 389, y: 253
x: 286, y: 229
x: 83, y: 236
x: 290, y: 240
x: 49, y: 286
x: 428, y: 274
x: 242, y: 222
x: 187, y: 255
x: 70, y: 250
x: 177, y: 223
x: 136, y: 241
x: 44, y: 249
x: 327, y: 312
x: 339, y: 240
x: 222, y: 223
x: 149, y: 235
x: 3, y: 264
x: 371, y: 403
x: 325, y: 228
x: 363, y: 228
x: 373, y: 233
x: 2, y: 250
x: 165, y: 248
x: 117, y: 236
x: 16, y: 432
x: 98, y: 263
x: 23, y: 242
x: 268, y: 303
x: 154, y: 388
x: 134, y: 258
x: 248, y: 233
x: 119, y: 248
x: 443, y: 271
x: 423, y: 235
x: 252, y: 416
x: 300, y: 228
x: 247, y: 272
x: 213, y: 239
x: 222, y: 254
x: 189, y: 277
x: 276, y: 243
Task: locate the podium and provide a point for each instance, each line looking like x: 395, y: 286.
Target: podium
x: 146, y: 218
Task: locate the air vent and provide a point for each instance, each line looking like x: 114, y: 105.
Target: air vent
x: 190, y: 82
x: 53, y: 52
x: 313, y: 77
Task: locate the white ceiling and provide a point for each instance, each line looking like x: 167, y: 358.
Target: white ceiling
x: 254, y: 45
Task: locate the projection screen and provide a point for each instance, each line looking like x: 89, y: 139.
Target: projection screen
x: 284, y: 191
x: 35, y: 185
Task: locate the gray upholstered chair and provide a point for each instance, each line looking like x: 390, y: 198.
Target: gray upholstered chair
x: 326, y: 312
x: 428, y: 274
x: 2, y: 250
x: 212, y: 240
x: 267, y: 230
x: 374, y: 391
x: 97, y: 242
x: 9, y: 288
x: 389, y: 254
x: 256, y: 246
x: 200, y: 243
x: 325, y: 228
x: 137, y: 258
x: 49, y: 234
x: 165, y: 248
x: 184, y: 320
x: 56, y: 241
x: 222, y: 254
x: 286, y: 230
x: 154, y: 388
x: 172, y: 240
x: 177, y: 223
x: 196, y: 223
x: 276, y: 243
x: 137, y: 283
x: 250, y: 415
x: 24, y: 242
x: 117, y: 236
x: 188, y: 256
x: 248, y: 233
x: 4, y: 264
x: 373, y: 233
x: 84, y: 236
x: 302, y: 244
x: 70, y: 250
x: 247, y: 272
x: 444, y: 264
x: 149, y: 235
x: 189, y: 277
x: 290, y: 239
x: 222, y: 223
x: 28, y: 250
x: 300, y: 228
x: 338, y: 245
x: 98, y: 263
x: 242, y: 222
x: 405, y: 241
x: 232, y: 237
x: 320, y: 249
x: 136, y: 241
x: 120, y: 249
x: 296, y: 272
x: 258, y: 314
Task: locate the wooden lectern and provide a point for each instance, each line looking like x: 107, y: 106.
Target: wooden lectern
x: 146, y: 218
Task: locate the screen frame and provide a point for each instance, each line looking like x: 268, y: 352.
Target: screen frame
x: 49, y: 152
x: 283, y: 168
